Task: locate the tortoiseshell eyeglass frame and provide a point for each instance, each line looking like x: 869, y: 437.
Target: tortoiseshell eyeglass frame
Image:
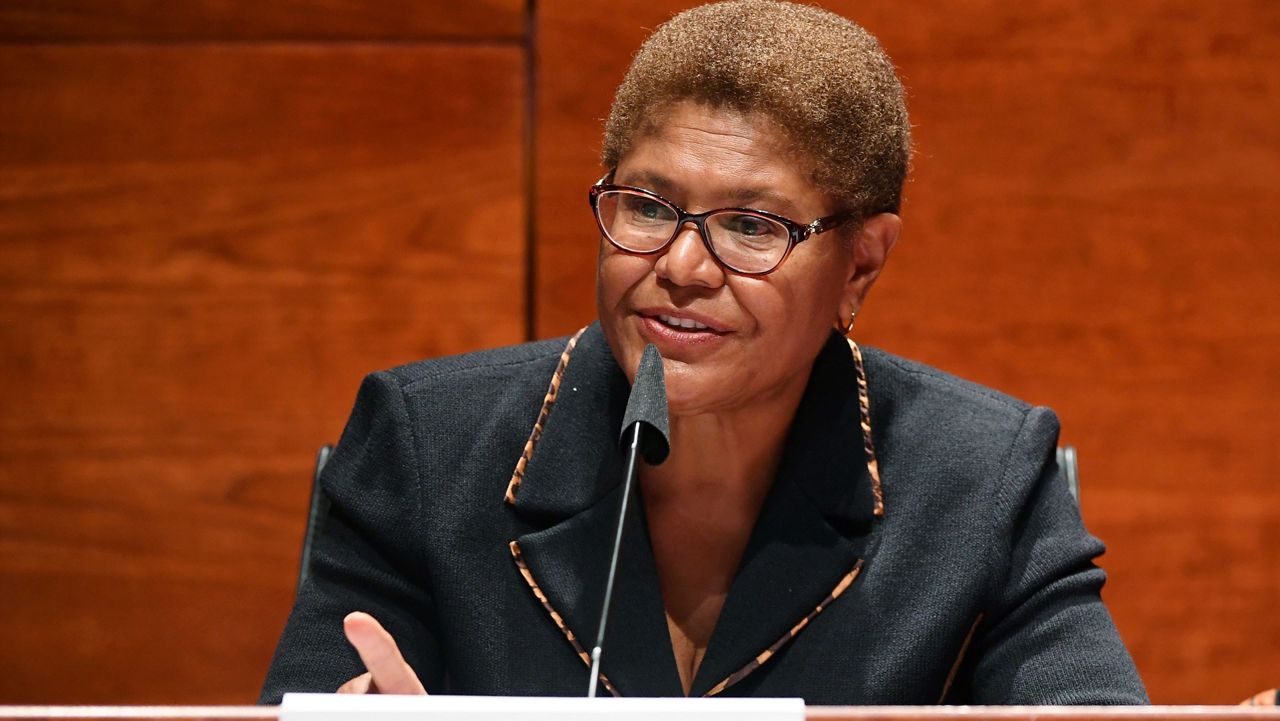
x: 796, y: 232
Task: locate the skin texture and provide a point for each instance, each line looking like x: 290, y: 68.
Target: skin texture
x: 733, y: 390
x: 703, y: 159
x: 388, y: 672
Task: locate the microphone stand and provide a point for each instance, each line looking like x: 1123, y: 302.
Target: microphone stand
x: 645, y: 432
x: 633, y: 453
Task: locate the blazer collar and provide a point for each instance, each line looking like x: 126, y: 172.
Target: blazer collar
x: 577, y: 460
x: 807, y: 542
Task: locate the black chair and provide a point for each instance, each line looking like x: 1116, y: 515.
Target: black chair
x: 1070, y: 469
x: 317, y: 510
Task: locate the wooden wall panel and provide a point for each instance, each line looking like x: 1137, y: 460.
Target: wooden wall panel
x: 1092, y: 224
x: 213, y: 221
x: 203, y: 247
x: 79, y: 20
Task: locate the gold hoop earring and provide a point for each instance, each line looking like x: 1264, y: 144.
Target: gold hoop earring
x: 848, y: 328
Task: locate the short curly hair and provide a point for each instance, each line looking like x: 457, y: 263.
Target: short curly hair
x: 825, y: 81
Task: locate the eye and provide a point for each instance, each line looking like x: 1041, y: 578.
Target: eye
x: 647, y: 209
x: 749, y: 226
x: 754, y: 228
x: 650, y: 209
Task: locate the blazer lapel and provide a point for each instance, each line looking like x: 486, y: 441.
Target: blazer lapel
x: 804, y: 552
x: 570, y: 492
x: 808, y: 544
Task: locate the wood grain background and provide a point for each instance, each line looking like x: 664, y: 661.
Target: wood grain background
x: 216, y: 216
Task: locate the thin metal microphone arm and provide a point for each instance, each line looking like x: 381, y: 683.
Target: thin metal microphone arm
x: 632, y: 459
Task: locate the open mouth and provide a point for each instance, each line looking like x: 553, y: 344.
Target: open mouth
x: 681, y: 323
x: 681, y: 328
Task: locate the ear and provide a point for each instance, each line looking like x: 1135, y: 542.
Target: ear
x: 871, y: 248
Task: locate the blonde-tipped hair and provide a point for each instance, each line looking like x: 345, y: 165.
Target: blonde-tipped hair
x: 825, y: 81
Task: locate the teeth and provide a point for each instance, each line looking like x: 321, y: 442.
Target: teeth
x: 687, y: 323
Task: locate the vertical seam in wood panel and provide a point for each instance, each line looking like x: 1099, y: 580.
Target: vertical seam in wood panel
x: 530, y: 177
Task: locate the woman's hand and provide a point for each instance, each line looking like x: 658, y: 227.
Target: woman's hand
x: 388, y: 672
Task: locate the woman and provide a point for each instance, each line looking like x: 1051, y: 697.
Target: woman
x: 832, y: 523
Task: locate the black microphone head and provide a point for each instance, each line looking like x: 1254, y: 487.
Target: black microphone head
x: 648, y: 406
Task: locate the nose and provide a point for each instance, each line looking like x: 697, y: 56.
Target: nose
x: 688, y: 261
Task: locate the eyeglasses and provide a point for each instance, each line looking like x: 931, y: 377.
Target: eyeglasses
x: 744, y: 240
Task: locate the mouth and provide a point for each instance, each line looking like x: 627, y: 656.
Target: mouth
x: 680, y: 328
x: 681, y: 323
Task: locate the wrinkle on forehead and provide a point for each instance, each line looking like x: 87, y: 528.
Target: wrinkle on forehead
x: 716, y: 121
x: 705, y: 134
x: 733, y: 154
x: 700, y: 151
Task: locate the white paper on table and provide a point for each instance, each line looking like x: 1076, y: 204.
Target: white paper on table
x: 357, y: 707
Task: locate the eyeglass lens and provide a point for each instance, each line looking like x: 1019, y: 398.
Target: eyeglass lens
x: 641, y: 223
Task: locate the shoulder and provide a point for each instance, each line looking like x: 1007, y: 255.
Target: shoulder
x: 479, y: 383
x: 455, y: 374
x: 455, y: 422
x: 461, y: 403
x: 952, y: 442
x: 908, y: 395
x: 912, y: 385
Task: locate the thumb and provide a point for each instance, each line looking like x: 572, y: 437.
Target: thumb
x: 387, y: 668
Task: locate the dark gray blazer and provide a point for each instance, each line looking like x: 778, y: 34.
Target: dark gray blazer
x: 976, y: 585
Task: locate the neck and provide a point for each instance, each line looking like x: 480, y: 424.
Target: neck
x: 725, y: 457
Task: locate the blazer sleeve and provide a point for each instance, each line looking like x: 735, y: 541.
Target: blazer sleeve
x: 1046, y: 637
x: 362, y: 555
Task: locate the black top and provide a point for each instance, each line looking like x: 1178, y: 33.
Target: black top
x: 975, y: 585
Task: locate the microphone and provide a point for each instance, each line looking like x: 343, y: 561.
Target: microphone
x: 645, y: 432
x: 645, y: 420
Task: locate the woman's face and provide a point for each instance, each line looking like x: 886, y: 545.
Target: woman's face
x: 762, y: 333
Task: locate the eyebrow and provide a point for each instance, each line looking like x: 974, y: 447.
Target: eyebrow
x: 742, y: 197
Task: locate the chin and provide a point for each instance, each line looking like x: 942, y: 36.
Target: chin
x: 689, y: 391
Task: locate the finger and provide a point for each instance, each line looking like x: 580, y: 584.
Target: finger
x: 359, y: 684
x: 387, y: 668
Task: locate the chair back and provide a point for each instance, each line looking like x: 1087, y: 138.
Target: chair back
x: 1070, y: 469
x: 316, y: 511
